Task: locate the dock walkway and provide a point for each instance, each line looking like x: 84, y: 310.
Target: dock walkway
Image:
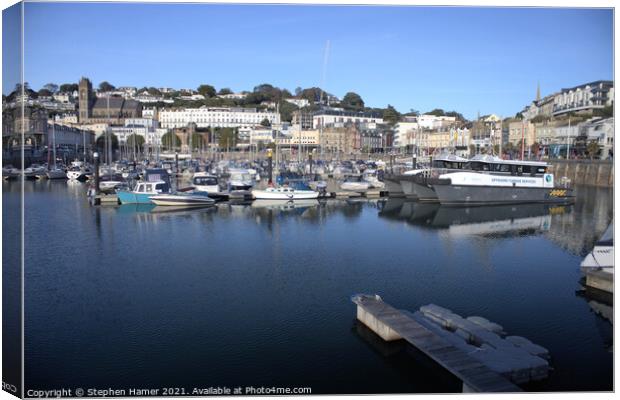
x: 393, y: 324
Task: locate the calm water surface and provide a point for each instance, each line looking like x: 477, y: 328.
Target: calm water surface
x: 240, y: 295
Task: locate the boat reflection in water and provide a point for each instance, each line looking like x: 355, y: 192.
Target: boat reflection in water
x: 284, y: 205
x: 520, y: 219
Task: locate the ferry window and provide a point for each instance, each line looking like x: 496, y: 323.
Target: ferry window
x: 519, y: 169
x: 160, y: 186
x: 149, y: 187
x: 141, y: 187
x: 541, y: 170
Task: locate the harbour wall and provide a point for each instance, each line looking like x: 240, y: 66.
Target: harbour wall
x: 585, y: 172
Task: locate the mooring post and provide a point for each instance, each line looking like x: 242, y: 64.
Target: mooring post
x: 96, y: 159
x: 415, y: 160
x: 310, y: 160
x: 269, y: 167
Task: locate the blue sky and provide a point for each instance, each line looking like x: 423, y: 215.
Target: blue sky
x: 467, y: 59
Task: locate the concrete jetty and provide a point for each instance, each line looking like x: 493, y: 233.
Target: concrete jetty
x: 392, y: 324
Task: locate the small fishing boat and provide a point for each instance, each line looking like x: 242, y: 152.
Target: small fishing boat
x: 182, y: 199
x: 142, y: 192
x: 284, y: 193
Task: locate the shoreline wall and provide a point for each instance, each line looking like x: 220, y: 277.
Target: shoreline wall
x: 585, y: 172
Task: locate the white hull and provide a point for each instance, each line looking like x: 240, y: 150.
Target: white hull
x: 181, y: 200
x: 355, y: 186
x: 56, y: 174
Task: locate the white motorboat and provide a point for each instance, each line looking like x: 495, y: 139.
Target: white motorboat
x: 602, y: 256
x: 205, y: 182
x: 354, y: 183
x: 182, y: 199
x: 34, y: 171
x: 56, y: 173
x: 284, y: 193
x: 370, y: 176
x: 10, y: 172
x: 240, y: 179
x: 78, y: 173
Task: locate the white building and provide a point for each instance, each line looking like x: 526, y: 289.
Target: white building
x: 339, y: 119
x: 62, y: 97
x: 404, y: 133
x: 427, y: 121
x: 602, y: 131
x: 299, y: 102
x: 234, y: 96
x: 589, y: 96
x: 222, y: 117
x: 192, y: 97
x: 258, y: 135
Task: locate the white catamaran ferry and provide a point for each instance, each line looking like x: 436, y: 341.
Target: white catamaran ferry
x: 487, y: 179
x: 414, y: 183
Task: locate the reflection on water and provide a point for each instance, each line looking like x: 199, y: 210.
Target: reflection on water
x: 491, y: 220
x: 258, y: 294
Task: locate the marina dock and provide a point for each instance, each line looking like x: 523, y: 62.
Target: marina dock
x: 392, y: 324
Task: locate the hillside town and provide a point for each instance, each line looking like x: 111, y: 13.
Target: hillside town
x: 575, y: 122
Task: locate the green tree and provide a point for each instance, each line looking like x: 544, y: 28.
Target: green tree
x: 437, y: 112
x: 312, y: 94
x: 286, y: 111
x: 593, y: 149
x: 457, y: 115
x: 153, y: 91
x: 224, y: 91
x: 606, y: 112
x: 206, y: 90
x: 45, y: 93
x: 52, y: 87
x: 390, y: 115
x: 265, y: 122
x: 101, y: 140
x: 197, y: 140
x: 352, y: 101
x: 227, y: 137
x: 134, y: 140
x: 170, y: 141
x: 105, y: 86
x: 69, y: 87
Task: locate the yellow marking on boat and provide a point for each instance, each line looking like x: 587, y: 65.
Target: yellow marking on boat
x: 558, y: 193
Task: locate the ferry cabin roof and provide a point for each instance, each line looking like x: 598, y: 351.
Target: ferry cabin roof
x: 512, y: 167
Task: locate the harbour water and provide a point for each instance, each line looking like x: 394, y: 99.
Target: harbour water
x: 259, y: 295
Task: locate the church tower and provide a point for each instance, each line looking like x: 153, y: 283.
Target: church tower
x: 538, y: 92
x: 85, y: 95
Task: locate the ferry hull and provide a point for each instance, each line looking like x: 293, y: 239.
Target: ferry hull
x: 484, y: 195
x: 393, y: 186
x: 416, y: 187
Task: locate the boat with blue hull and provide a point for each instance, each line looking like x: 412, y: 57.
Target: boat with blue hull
x: 143, y: 192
